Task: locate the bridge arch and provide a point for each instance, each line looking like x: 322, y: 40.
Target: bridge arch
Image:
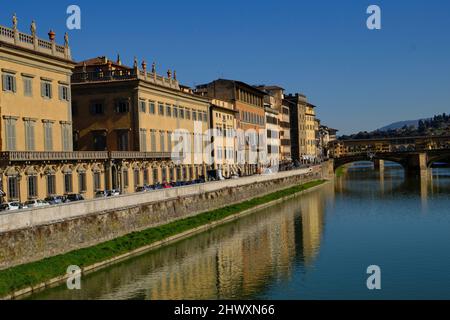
x: 339, y: 162
x: 444, y: 157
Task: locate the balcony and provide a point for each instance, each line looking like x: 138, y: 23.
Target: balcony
x: 31, y: 156
x: 25, y: 156
x: 128, y: 155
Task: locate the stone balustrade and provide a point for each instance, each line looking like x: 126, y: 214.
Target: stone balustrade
x: 13, y: 36
x: 26, y: 156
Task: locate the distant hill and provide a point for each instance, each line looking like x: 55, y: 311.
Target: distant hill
x: 401, y: 124
x: 436, y: 126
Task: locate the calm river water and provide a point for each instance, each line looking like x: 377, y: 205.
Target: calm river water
x: 316, y: 246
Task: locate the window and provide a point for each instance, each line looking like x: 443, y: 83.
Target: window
x: 143, y: 140
x: 46, y: 89
x: 122, y: 137
x: 125, y: 178
x: 13, y: 188
x: 143, y: 106
x: 32, y: 187
x: 205, y: 117
x: 99, y: 141
x: 51, y: 184
x: 137, y: 178
x: 28, y: 87
x: 68, y: 183
x: 9, y: 82
x: 10, y: 134
x: 145, y: 174
x: 194, y: 115
x: 97, y: 108
x: 152, y: 107
x: 172, y: 174
x: 122, y: 106
x: 155, y: 176
x: 97, y: 181
x: 179, y: 174
x: 169, y: 110
x: 64, y: 93
x: 161, y: 109
x: 153, y: 140
x: 175, y: 112
x: 82, y: 182
x: 169, y: 141
x: 66, y: 131
x: 184, y: 174
x: 29, y: 135
x: 48, y: 136
x: 181, y: 113
x: 188, y: 114
x: 162, y: 135
x: 164, y: 174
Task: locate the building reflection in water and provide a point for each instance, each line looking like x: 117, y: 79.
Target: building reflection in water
x: 236, y: 261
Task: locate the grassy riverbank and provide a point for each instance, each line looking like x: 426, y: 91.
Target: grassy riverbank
x: 32, y: 274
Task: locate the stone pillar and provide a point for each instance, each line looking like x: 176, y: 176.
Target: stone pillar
x: 379, y: 165
x: 417, y: 164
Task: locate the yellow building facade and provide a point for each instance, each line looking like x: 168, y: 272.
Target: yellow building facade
x: 223, y: 122
x: 35, y: 105
x: 144, y: 115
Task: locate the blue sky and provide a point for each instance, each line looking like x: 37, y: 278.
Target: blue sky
x: 359, y: 79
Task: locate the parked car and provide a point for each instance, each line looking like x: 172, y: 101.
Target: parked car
x: 10, y: 206
x: 35, y: 204
x: 141, y: 189
x: 176, y: 184
x: 54, y: 200
x: 74, y: 198
x: 157, y: 186
x: 101, y: 194
x: 113, y: 193
x: 167, y: 186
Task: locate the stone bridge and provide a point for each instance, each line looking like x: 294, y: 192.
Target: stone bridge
x: 415, y: 154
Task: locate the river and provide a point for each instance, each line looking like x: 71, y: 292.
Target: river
x: 315, y: 246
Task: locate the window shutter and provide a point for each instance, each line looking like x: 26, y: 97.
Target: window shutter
x: 13, y: 135
x: 32, y: 142
x: 42, y: 89
x: 14, y: 84
x: 60, y: 92
x: 4, y: 82
x: 50, y: 89
x: 8, y: 135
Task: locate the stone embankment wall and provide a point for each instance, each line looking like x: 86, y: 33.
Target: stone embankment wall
x: 31, y: 235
